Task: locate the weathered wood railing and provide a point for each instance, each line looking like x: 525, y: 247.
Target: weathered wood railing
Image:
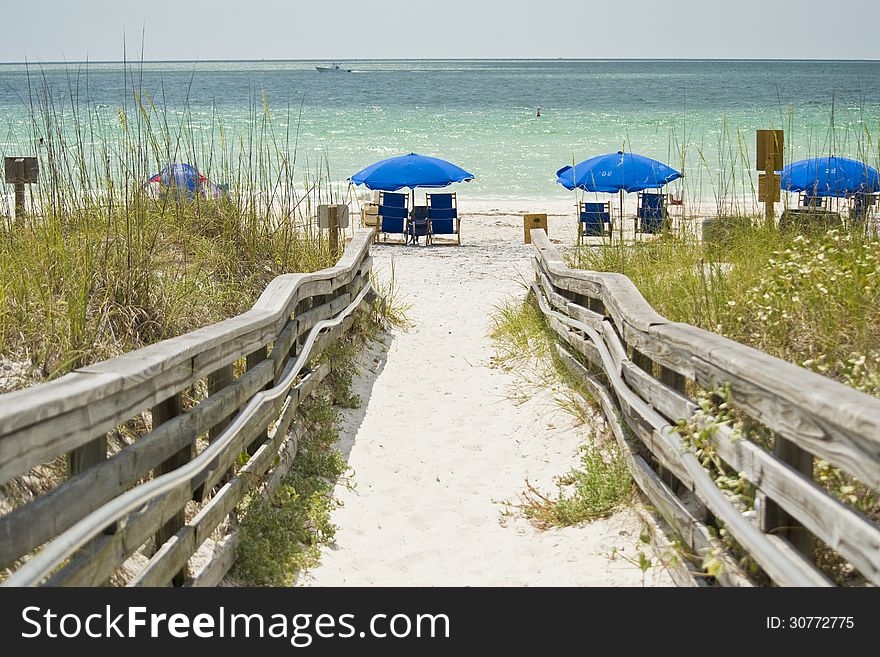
x: 254, y: 371
x: 639, y: 364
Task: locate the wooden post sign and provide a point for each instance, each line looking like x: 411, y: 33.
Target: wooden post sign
x: 21, y: 171
x: 333, y: 217
x: 769, y: 160
x: 533, y: 221
x: 771, y: 193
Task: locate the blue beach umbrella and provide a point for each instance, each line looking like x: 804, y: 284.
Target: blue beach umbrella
x: 617, y: 172
x: 185, y: 179
x: 410, y: 171
x: 830, y: 176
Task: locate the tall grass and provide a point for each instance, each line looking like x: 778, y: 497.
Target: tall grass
x: 600, y: 484
x: 100, y: 265
x: 813, y: 300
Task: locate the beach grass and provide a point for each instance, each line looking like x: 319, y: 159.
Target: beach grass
x: 101, y: 264
x: 812, y: 299
x: 600, y: 483
x: 596, y: 488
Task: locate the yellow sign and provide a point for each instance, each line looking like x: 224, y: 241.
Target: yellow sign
x: 775, y: 194
x: 770, y: 146
x: 531, y: 221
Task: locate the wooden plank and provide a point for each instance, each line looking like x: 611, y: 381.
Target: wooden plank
x: 589, y: 317
x: 615, y: 348
x: 774, y: 563
x: 622, y: 300
x: 101, y: 560
x: 136, y: 381
x: 666, y: 456
x: 556, y: 300
x: 807, y: 565
x: 817, y: 414
x: 212, y: 572
x: 667, y: 401
x: 39, y: 443
x: 260, y: 420
x: 579, y: 343
x: 668, y: 356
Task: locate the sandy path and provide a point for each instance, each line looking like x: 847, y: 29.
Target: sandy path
x: 438, y: 443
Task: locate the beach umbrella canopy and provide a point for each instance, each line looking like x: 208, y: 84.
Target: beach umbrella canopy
x: 410, y: 171
x: 616, y: 172
x: 830, y: 176
x: 185, y: 178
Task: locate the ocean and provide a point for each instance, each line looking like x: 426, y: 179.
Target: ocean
x: 698, y: 116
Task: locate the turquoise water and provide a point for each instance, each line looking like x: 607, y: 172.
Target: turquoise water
x: 695, y: 115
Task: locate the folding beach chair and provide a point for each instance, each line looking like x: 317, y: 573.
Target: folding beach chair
x: 808, y: 201
x: 594, y: 219
x: 393, y: 213
x: 418, y: 225
x: 443, y: 218
x: 861, y: 205
x: 651, y: 212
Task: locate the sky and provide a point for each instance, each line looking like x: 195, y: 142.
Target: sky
x: 103, y: 30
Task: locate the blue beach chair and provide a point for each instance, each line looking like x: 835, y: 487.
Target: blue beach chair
x: 594, y: 219
x: 651, y: 212
x: 443, y: 218
x: 814, y: 202
x: 418, y: 225
x: 861, y: 205
x: 393, y: 212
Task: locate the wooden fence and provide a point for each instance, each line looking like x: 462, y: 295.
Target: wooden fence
x: 167, y: 492
x: 645, y: 372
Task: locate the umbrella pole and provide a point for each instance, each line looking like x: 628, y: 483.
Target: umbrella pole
x: 621, y: 217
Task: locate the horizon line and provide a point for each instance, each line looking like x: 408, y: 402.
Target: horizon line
x: 441, y: 59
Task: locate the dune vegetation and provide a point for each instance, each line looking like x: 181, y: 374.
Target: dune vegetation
x: 102, y: 264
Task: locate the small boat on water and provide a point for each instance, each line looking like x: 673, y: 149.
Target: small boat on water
x: 333, y: 68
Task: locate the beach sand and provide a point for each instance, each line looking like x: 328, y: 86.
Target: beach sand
x: 438, y: 443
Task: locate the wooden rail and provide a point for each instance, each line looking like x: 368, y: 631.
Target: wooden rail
x: 202, y: 436
x: 644, y: 371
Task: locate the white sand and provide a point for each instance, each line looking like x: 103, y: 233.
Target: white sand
x: 438, y: 442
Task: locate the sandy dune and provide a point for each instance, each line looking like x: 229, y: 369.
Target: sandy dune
x: 438, y: 443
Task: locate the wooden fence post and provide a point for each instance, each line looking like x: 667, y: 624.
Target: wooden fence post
x: 162, y: 412
x: 777, y: 521
x: 251, y: 361
x: 216, y: 382
x: 334, y: 232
